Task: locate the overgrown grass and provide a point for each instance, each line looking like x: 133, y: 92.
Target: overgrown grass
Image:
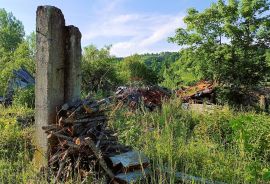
x: 219, y: 145
x: 16, y: 150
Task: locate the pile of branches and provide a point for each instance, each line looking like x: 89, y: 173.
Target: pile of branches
x: 82, y: 142
x: 198, y: 93
x: 150, y: 97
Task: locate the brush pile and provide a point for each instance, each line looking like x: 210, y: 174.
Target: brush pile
x: 150, y: 97
x: 83, y: 145
x: 203, y: 91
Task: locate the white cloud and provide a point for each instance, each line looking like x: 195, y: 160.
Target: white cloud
x: 163, y: 30
x: 113, y: 26
x: 145, y: 41
x: 136, y: 33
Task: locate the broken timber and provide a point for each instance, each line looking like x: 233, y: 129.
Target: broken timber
x: 91, y: 146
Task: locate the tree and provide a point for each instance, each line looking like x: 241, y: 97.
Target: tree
x: 21, y: 57
x: 31, y: 41
x: 133, y: 69
x: 98, y: 69
x: 160, y: 62
x: 11, y: 31
x: 11, y: 47
x: 227, y: 42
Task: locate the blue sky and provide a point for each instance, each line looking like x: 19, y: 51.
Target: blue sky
x: 131, y: 26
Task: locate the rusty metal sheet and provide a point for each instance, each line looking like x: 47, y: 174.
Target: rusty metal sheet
x: 198, y: 92
x: 133, y: 177
x: 129, y: 159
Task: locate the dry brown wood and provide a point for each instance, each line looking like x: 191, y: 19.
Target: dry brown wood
x: 72, y: 145
x: 86, y: 120
x: 98, y: 154
x: 62, y: 130
x: 55, y: 157
x: 84, y: 138
x: 58, y: 135
x: 51, y: 127
x: 72, y: 115
x: 109, y: 138
x: 61, y: 167
x: 116, y: 147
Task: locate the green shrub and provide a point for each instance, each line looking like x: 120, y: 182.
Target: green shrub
x: 133, y: 69
x: 25, y: 97
x: 16, y: 150
x: 98, y: 70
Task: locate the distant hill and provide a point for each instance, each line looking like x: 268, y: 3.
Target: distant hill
x: 157, y: 61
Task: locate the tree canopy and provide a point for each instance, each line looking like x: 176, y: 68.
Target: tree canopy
x: 98, y: 69
x: 11, y: 31
x: 134, y: 69
x: 227, y: 42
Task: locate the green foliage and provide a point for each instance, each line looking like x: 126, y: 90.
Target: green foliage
x: 133, y: 69
x: 25, y: 97
x: 251, y: 132
x: 103, y: 72
x: 160, y: 62
x: 22, y: 56
x: 219, y: 144
x: 170, y: 79
x: 11, y: 31
x: 184, y: 71
x: 98, y: 70
x: 15, y: 51
x: 16, y: 150
x: 227, y: 42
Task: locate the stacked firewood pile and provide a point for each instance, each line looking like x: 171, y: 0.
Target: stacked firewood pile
x: 150, y: 97
x: 82, y: 144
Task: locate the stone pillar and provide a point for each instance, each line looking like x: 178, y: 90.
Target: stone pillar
x: 49, y: 89
x: 73, y: 64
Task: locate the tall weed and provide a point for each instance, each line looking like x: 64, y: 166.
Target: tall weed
x: 218, y: 145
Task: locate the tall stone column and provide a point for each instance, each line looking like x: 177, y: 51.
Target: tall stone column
x: 73, y: 64
x: 50, y: 63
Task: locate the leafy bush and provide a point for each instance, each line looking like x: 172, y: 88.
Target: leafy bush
x: 98, y: 70
x: 16, y: 150
x: 25, y: 97
x: 133, y: 69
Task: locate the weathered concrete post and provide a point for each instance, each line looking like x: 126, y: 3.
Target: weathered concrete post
x: 49, y: 89
x: 262, y: 102
x: 73, y: 65
x: 58, y: 73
